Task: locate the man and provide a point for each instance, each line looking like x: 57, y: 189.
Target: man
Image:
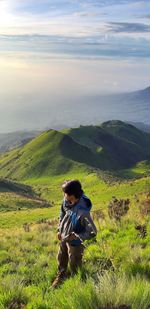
x: 75, y: 226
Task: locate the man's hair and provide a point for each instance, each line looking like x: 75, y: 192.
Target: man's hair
x: 72, y: 187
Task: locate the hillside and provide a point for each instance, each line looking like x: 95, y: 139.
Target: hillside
x: 129, y: 133
x: 16, y: 196
x: 112, y: 146
x: 51, y: 153
x: 115, y: 271
x: 118, y: 145
x: 10, y: 186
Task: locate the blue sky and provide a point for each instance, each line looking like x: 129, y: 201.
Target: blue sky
x: 51, y: 51
x: 95, y: 28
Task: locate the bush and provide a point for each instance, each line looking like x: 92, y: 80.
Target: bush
x: 118, y: 208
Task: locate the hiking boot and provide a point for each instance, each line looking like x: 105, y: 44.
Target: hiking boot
x: 58, y: 280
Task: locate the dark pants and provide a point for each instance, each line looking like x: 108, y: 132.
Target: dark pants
x: 73, y: 254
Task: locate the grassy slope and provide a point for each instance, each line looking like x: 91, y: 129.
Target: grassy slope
x: 26, y: 271
x: 129, y: 133
x: 118, y: 145
x: 16, y: 196
x: 54, y: 153
x: 10, y: 201
x: 115, y: 268
x: 45, y: 163
x: 50, y: 189
x: 141, y: 169
x: 51, y: 153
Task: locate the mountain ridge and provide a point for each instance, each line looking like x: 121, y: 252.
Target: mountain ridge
x: 114, y: 145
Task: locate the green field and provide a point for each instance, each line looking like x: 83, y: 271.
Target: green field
x: 115, y: 270
x: 116, y: 267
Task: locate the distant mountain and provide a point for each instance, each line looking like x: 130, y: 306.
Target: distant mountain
x: 86, y: 109
x: 131, y: 107
x: 12, y: 140
x: 114, y: 145
x: 94, y: 109
x: 142, y: 94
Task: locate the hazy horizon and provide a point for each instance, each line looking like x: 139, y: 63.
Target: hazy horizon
x: 54, y: 55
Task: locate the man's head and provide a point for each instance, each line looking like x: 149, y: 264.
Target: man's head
x: 72, y: 190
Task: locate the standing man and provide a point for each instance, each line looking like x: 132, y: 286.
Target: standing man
x: 75, y: 226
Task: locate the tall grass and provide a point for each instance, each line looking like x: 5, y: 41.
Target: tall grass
x: 114, y: 273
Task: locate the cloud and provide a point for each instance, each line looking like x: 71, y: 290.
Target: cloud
x: 68, y: 18
x: 90, y: 14
x: 142, y: 16
x: 42, y: 48
x: 73, y: 28
x: 105, y: 42
x: 119, y: 27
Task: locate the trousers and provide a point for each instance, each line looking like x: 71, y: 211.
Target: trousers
x: 72, y: 254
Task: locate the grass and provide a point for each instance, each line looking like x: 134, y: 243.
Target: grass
x: 138, y: 170
x: 115, y: 269
x: 49, y: 189
x: 13, y: 202
x: 18, y: 218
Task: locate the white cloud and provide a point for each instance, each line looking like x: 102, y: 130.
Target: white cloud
x: 74, y: 53
x: 59, y: 20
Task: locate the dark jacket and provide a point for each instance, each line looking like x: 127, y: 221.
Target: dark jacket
x: 76, y: 218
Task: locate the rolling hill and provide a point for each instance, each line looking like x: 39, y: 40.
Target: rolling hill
x: 118, y: 144
x: 114, y: 145
x: 16, y: 196
x: 10, y: 186
x: 51, y: 153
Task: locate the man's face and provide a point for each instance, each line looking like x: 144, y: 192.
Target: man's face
x: 70, y: 198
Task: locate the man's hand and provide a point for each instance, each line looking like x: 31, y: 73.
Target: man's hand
x: 72, y: 236
x: 59, y: 236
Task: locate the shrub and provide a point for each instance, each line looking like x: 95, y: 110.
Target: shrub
x: 118, y: 208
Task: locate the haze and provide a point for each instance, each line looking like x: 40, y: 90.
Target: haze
x: 54, y: 54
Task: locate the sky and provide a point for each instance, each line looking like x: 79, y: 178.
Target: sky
x: 54, y: 51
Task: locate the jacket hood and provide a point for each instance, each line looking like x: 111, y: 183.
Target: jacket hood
x: 84, y: 203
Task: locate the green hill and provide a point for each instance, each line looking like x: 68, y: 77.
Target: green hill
x: 10, y: 186
x: 51, y: 153
x: 128, y: 132
x: 112, y: 146
x: 16, y: 196
x: 117, y: 144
